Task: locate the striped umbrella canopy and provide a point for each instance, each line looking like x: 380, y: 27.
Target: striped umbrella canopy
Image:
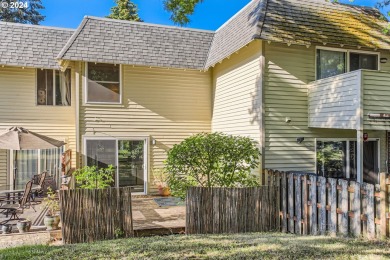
x: 19, y: 138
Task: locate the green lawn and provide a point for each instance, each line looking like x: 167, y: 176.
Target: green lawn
x: 253, y: 245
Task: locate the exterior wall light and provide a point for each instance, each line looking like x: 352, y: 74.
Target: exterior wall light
x: 300, y: 139
x: 383, y: 60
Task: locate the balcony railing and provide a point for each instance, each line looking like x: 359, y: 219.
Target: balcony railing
x: 354, y: 100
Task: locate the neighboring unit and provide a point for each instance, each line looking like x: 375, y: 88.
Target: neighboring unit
x: 306, y: 79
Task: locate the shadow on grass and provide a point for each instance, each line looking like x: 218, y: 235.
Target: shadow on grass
x: 228, y: 246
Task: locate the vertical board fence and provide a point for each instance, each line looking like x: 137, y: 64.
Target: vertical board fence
x: 316, y: 205
x: 95, y: 214
x: 232, y: 210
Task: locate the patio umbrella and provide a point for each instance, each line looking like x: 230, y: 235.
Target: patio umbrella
x: 19, y: 138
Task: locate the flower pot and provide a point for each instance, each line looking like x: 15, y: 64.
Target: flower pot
x: 51, y: 222
x: 23, y: 226
x: 6, y: 228
x: 164, y: 191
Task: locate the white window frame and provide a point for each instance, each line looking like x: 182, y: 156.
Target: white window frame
x: 347, y: 52
x: 103, y: 102
x: 348, y: 171
x: 54, y: 89
x: 146, y: 139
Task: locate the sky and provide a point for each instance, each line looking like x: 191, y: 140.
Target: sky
x: 209, y: 15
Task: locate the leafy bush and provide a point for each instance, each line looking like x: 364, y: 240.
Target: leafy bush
x: 212, y: 160
x: 90, y: 177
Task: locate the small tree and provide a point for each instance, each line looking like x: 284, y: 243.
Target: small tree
x: 90, y: 177
x: 125, y: 10
x: 27, y: 11
x: 212, y: 160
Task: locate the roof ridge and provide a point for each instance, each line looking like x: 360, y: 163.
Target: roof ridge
x: 208, y: 53
x: 72, y: 38
x: 261, y: 23
x: 256, y: 9
x: 37, y: 26
x: 147, y: 24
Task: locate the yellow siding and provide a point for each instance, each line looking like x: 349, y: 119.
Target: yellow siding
x: 167, y: 105
x: 3, y: 167
x: 18, y: 108
x: 237, y: 94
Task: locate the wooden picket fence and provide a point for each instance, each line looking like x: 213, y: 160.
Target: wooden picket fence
x: 232, y: 210
x: 95, y: 214
x: 316, y: 205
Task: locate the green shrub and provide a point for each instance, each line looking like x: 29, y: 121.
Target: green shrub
x: 90, y: 177
x: 212, y: 160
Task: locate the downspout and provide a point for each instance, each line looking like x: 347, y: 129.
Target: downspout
x: 262, y: 106
x: 78, y: 155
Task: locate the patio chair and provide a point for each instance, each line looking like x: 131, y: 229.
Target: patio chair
x: 14, y: 208
x: 41, y: 182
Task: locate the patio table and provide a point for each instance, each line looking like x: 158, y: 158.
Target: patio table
x: 9, y: 189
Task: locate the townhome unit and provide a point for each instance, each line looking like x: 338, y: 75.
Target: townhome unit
x: 305, y: 79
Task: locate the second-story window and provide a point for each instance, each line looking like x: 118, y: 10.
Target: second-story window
x: 330, y: 63
x: 103, y: 83
x: 53, y: 87
x: 334, y: 62
x: 363, y: 61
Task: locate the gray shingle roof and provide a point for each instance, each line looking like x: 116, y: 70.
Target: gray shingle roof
x: 237, y: 32
x: 302, y: 22
x: 124, y: 42
x: 31, y: 45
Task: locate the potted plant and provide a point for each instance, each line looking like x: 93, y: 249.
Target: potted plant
x: 6, y: 228
x: 23, y: 225
x: 160, y: 180
x: 52, y: 219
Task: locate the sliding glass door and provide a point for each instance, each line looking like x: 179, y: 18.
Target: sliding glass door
x: 127, y: 155
x: 131, y: 164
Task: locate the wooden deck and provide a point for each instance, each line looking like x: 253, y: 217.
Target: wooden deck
x: 35, y: 213
x: 149, y: 220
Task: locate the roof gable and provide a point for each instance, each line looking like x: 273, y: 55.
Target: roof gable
x: 237, y: 32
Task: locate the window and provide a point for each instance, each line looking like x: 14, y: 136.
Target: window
x: 32, y: 162
x: 103, y: 83
x: 53, y: 88
x: 334, y: 62
x: 336, y: 159
x: 363, y: 61
x: 127, y: 155
x: 330, y: 63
